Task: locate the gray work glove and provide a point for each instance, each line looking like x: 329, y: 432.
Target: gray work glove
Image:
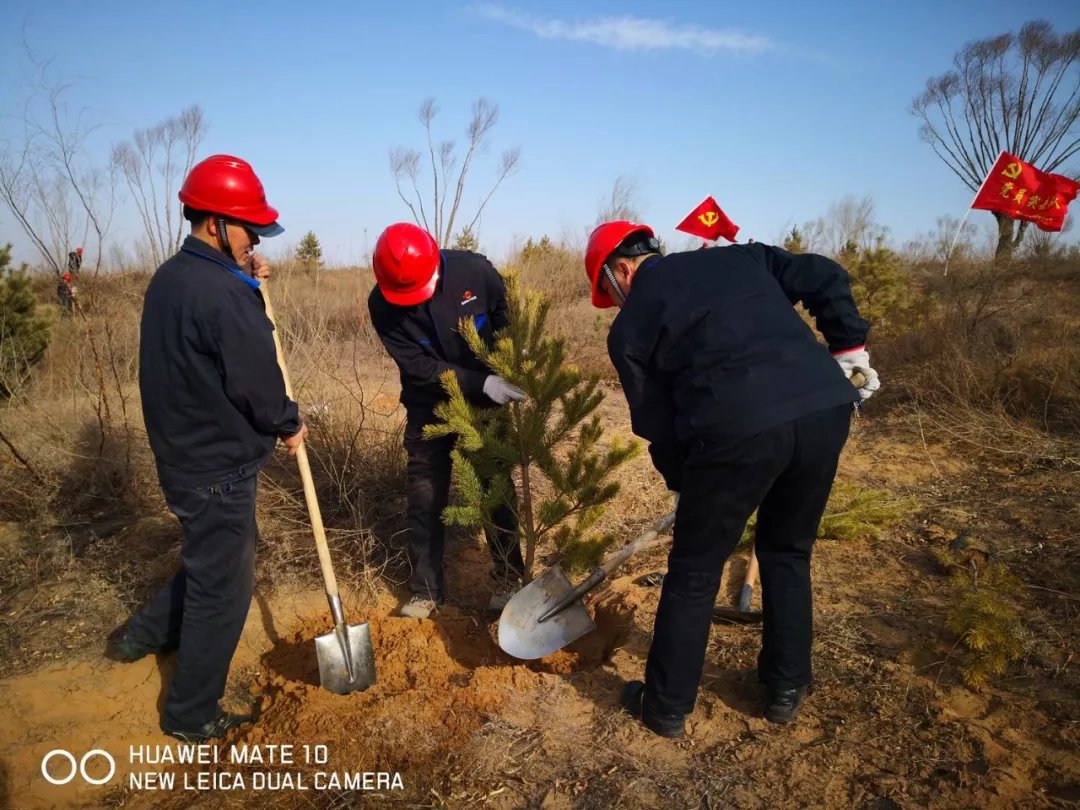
x: 500, y: 391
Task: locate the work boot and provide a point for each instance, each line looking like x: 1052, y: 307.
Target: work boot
x: 502, y: 591
x: 214, y: 730
x: 633, y: 701
x: 418, y: 607
x: 781, y: 705
x: 121, y: 647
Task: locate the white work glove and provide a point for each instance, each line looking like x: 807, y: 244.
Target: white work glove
x: 500, y: 391
x: 858, y: 360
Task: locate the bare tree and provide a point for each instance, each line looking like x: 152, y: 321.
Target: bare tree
x: 1017, y: 93
x: 851, y: 221
x: 622, y: 204
x: 154, y: 163
x: 448, y: 175
x: 47, y: 181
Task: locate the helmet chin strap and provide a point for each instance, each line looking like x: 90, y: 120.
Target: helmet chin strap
x: 223, y: 235
x: 615, y: 284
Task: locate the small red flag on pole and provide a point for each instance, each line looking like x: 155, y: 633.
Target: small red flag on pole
x: 709, y: 222
x: 1020, y: 191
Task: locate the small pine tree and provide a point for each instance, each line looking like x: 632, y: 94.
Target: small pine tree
x: 983, y: 615
x: 537, y: 251
x: 552, y: 439
x: 793, y: 243
x: 466, y: 240
x: 309, y: 253
x: 853, y: 513
x: 24, y: 335
x: 882, y: 287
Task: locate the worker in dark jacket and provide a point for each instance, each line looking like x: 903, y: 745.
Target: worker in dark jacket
x: 214, y: 403
x: 744, y: 409
x: 422, y: 294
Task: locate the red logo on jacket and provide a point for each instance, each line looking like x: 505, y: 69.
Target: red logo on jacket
x: 467, y: 298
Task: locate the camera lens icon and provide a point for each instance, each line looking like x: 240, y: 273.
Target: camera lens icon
x: 77, y: 767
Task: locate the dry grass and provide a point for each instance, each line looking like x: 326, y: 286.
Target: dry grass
x: 991, y: 366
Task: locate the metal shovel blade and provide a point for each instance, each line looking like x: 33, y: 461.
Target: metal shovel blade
x: 522, y: 635
x: 346, y: 659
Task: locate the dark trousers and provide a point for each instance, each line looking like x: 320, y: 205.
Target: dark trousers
x: 428, y: 492
x: 786, y: 473
x: 204, y: 607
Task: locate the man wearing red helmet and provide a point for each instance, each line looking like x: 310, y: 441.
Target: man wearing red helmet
x: 74, y: 260
x: 421, y: 295
x: 744, y: 410
x: 214, y: 403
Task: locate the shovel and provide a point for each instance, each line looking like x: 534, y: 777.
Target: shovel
x: 741, y: 612
x: 547, y: 614
x: 346, y: 657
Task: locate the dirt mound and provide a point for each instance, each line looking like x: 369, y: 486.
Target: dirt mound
x: 448, y: 677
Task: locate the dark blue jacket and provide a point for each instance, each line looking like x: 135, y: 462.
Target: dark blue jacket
x: 424, y: 339
x: 213, y: 397
x: 709, y: 345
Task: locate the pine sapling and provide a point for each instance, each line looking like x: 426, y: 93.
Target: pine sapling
x: 551, y: 440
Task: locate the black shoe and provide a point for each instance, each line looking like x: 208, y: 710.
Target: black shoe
x: 781, y: 705
x: 123, y: 649
x: 632, y: 700
x: 214, y: 730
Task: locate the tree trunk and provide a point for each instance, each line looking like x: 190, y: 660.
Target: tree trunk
x: 1007, y: 242
x: 529, y: 525
x: 1005, y: 237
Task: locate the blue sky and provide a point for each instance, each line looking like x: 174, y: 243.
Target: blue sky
x: 778, y: 109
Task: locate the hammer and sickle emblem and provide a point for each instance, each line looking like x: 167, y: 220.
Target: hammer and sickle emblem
x: 1012, y: 171
x: 709, y: 218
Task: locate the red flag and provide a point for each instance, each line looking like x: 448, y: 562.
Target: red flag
x: 708, y: 222
x: 1020, y: 191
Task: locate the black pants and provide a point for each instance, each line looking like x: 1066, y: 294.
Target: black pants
x: 428, y: 494
x: 204, y: 607
x: 786, y: 473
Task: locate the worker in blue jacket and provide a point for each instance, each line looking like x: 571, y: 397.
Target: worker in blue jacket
x: 214, y: 404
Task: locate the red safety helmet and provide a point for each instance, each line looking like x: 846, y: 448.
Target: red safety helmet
x: 602, y: 242
x: 228, y: 186
x: 67, y: 276
x: 78, y: 250
x: 406, y: 264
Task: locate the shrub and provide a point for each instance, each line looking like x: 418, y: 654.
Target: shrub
x: 24, y: 334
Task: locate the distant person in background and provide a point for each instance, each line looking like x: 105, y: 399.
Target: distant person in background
x: 74, y: 264
x: 65, y: 294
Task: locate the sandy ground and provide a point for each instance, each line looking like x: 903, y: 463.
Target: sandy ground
x: 464, y: 725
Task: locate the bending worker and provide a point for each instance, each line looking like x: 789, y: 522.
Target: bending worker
x: 214, y: 402
x: 744, y: 409
x: 421, y: 295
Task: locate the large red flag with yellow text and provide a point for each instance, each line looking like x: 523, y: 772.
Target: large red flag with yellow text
x: 708, y: 222
x: 1020, y: 191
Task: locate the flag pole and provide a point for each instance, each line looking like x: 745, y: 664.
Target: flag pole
x: 969, y: 209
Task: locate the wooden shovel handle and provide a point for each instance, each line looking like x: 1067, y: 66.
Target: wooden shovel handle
x: 751, y: 569
x: 646, y: 538
x: 310, y: 497
x: 858, y: 379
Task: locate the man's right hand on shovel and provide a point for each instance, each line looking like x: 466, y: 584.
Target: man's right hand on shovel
x: 293, y: 442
